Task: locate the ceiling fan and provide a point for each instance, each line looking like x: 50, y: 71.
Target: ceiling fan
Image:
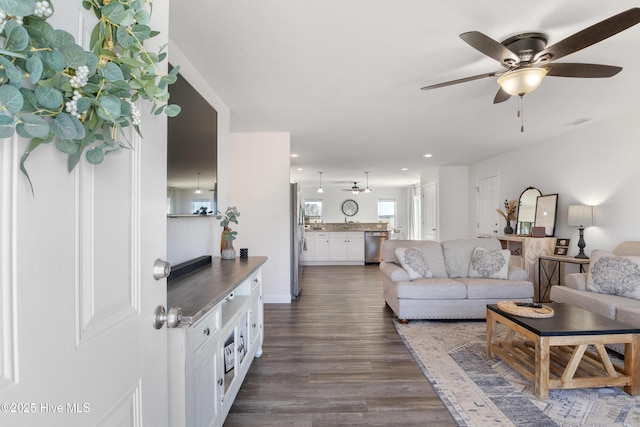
x: 354, y: 189
x: 528, y: 60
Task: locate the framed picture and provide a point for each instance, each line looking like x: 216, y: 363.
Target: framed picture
x: 546, y: 207
x: 229, y: 356
x: 563, y: 242
x: 560, y: 250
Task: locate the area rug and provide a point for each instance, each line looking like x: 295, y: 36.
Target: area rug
x: 482, y: 392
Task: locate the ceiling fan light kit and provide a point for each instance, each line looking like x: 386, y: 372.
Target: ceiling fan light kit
x: 521, y: 81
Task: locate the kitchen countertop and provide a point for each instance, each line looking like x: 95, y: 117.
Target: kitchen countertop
x: 198, y: 292
x: 352, y: 226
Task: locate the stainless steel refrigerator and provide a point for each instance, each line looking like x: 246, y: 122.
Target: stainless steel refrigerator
x: 297, y: 240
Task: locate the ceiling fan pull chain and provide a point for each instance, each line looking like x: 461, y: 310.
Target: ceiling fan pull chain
x: 521, y: 112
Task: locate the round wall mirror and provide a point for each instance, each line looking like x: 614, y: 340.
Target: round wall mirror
x: 527, y: 210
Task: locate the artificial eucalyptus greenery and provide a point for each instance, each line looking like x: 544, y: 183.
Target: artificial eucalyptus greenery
x: 229, y: 216
x: 53, y: 91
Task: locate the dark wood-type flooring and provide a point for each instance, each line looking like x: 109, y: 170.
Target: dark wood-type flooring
x: 334, y: 358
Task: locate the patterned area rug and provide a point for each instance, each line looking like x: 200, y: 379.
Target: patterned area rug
x: 482, y: 392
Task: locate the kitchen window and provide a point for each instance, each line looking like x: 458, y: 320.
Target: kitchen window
x: 387, y: 211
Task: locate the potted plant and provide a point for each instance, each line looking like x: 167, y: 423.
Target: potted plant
x: 228, y: 235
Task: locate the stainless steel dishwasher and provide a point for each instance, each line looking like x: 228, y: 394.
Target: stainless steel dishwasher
x: 373, y: 246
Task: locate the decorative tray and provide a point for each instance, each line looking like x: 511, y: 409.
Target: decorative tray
x: 534, y: 312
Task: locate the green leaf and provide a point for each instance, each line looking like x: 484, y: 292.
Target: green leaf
x: 111, y: 72
x: 49, y: 97
x: 172, y: 110
x: 114, y: 12
x: 131, y: 62
x: 142, y: 16
x: 109, y: 109
x: 11, y: 99
x: 91, y: 63
x: 141, y: 32
x: 53, y: 60
x: 63, y: 127
x: 32, y: 125
x: 62, y: 38
x: 124, y: 39
x: 74, y: 55
x: 67, y: 146
x: 34, y: 67
x: 80, y: 130
x: 6, y: 126
x: 95, y: 156
x: 17, y: 39
x: 18, y: 7
x: 13, y: 73
x: 83, y: 104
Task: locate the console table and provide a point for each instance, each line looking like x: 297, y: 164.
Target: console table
x: 549, y: 271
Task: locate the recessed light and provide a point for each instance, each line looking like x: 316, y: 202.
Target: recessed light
x: 404, y: 169
x: 300, y: 169
x: 427, y: 155
x: 294, y: 155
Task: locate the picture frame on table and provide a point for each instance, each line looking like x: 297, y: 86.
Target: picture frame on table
x: 560, y: 250
x: 563, y: 242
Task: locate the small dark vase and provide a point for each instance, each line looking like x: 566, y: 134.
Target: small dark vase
x: 508, y: 229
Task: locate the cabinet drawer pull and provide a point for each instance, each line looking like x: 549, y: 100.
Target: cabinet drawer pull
x: 207, y: 331
x: 253, y: 325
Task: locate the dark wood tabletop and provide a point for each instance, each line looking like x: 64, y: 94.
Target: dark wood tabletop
x: 568, y: 320
x: 198, y: 292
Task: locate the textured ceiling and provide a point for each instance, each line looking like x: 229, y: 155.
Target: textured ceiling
x: 344, y: 77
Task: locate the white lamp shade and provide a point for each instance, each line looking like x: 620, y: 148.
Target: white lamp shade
x: 580, y: 216
x: 522, y: 81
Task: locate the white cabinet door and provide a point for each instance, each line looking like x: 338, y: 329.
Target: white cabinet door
x: 338, y: 245
x: 355, y: 246
x: 321, y: 246
x: 206, y: 385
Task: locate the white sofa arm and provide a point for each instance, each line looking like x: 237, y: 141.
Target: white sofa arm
x: 394, y: 272
x: 576, y: 281
x: 517, y: 273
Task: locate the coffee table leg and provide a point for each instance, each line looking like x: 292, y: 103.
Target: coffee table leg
x: 491, y: 330
x: 542, y: 368
x: 632, y: 365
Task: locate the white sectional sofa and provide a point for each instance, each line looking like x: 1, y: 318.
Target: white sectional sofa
x: 450, y: 293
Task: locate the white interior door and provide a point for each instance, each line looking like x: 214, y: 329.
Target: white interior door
x: 77, y: 345
x: 486, y: 204
x: 429, y: 212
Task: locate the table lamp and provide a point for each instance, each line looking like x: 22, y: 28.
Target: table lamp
x: 581, y: 216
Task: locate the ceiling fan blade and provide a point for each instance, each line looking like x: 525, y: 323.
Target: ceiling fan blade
x: 463, y: 80
x: 591, y: 35
x: 490, y: 47
x: 581, y: 70
x: 501, y: 96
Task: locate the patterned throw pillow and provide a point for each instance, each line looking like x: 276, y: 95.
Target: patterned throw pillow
x: 413, y: 262
x: 490, y: 265
x: 613, y: 274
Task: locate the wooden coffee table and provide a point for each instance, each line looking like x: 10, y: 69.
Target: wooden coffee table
x: 554, y: 353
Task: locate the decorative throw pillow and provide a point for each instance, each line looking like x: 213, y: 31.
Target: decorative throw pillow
x: 413, y: 262
x: 613, y: 274
x: 490, y: 265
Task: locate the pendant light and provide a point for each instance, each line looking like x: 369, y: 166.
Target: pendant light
x: 198, y: 191
x: 320, y: 190
x: 367, y: 189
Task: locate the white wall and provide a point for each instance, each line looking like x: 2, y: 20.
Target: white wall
x: 191, y: 237
x: 452, y: 199
x: 260, y: 189
x: 597, y: 164
x: 332, y: 199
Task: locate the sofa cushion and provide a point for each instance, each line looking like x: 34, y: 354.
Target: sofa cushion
x: 413, y: 262
x: 480, y: 288
x: 614, y: 275
x: 457, y: 254
x: 602, y: 304
x: 488, y: 264
x: 432, y: 288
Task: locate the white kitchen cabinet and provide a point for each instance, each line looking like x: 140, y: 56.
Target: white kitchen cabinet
x: 355, y: 246
x: 211, y: 351
x: 334, y: 248
x: 321, y: 247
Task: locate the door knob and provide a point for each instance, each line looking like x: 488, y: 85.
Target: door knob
x: 161, y: 269
x: 172, y: 318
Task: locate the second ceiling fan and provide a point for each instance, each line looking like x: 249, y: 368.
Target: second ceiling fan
x: 527, y: 59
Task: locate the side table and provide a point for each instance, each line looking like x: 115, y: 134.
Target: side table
x: 548, y: 274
